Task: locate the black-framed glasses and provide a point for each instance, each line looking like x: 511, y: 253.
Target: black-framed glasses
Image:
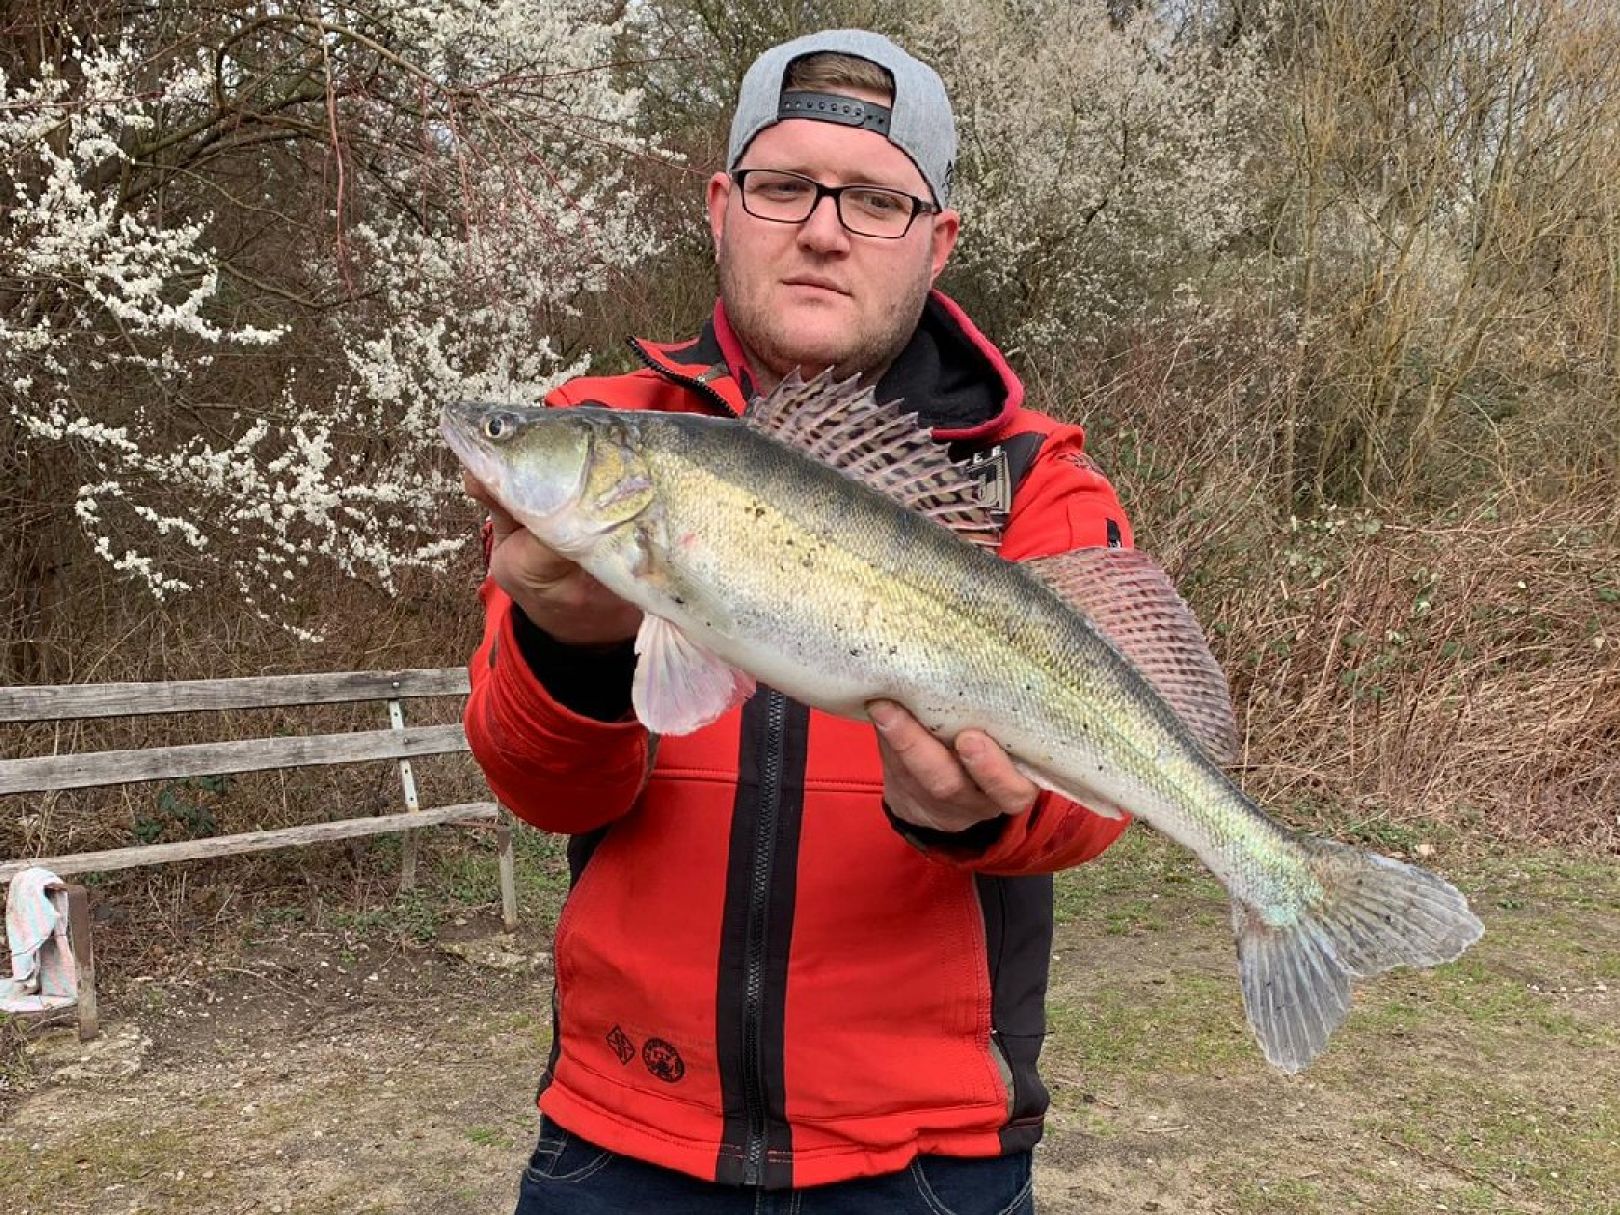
x: 791, y: 198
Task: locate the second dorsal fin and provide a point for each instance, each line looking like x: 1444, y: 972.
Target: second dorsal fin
x: 1133, y: 603
x: 842, y: 425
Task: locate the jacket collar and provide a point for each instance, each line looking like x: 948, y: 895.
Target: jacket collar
x: 950, y: 373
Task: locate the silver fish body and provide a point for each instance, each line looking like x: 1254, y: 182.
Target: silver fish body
x: 778, y: 566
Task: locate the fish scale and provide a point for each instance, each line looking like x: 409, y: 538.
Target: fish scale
x: 825, y: 567
x: 755, y: 560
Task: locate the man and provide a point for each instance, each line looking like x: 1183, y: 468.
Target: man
x: 803, y: 962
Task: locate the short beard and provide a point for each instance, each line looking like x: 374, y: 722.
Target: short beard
x: 865, y: 354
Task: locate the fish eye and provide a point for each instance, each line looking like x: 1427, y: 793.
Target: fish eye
x: 499, y: 426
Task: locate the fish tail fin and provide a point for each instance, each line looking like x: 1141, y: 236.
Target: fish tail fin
x: 1373, y: 914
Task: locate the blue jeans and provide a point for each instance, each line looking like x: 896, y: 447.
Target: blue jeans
x: 568, y: 1176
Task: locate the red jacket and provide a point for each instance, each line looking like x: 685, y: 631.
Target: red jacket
x: 760, y: 977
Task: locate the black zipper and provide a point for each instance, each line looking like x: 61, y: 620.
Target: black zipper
x: 759, y: 893
x: 690, y: 382
x: 772, y: 759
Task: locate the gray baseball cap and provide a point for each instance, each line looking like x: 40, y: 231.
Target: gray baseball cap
x: 919, y: 121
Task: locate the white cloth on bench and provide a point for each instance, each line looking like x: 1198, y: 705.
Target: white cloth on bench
x: 44, y: 974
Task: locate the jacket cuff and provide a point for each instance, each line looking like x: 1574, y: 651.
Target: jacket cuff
x: 522, y: 717
x: 967, y: 844
x: 591, y: 681
x: 554, y: 768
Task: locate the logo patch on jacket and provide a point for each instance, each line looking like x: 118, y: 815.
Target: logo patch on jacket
x: 663, y: 1060
x: 621, y: 1044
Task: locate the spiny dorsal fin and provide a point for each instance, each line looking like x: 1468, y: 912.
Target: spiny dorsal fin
x: 1133, y: 603
x: 842, y: 425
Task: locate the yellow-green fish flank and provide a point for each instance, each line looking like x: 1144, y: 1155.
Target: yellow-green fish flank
x: 755, y: 559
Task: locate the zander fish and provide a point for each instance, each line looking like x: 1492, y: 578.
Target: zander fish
x: 827, y: 546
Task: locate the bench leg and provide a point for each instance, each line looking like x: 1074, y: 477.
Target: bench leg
x: 503, y: 844
x: 407, y: 866
x: 84, y: 960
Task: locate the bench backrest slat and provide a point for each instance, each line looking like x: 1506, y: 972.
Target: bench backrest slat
x: 93, y: 768
x: 252, y: 841
x: 63, y: 701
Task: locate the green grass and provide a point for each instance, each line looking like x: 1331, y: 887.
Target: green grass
x: 1491, y: 1084
x: 1125, y: 884
x: 1186, y: 1024
x: 1284, y: 1197
x: 485, y: 1136
x: 1480, y: 1086
x: 454, y: 877
x: 1508, y: 1134
x: 540, y: 874
x: 160, y: 1157
x: 415, y: 914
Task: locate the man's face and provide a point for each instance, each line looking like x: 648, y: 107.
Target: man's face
x: 814, y: 295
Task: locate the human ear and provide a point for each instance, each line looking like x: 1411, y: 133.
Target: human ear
x: 717, y: 199
x: 946, y: 227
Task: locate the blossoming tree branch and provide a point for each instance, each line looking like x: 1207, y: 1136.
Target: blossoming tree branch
x: 245, y: 252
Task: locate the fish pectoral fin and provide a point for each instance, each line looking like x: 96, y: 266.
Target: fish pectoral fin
x: 680, y: 686
x: 1095, y: 802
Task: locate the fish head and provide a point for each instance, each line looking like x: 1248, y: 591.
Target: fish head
x: 568, y: 475
x: 533, y: 461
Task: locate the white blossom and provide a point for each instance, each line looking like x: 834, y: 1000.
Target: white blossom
x: 491, y: 198
x: 1101, y: 161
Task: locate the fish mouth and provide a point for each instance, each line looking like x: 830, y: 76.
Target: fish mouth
x: 458, y: 425
x: 531, y: 497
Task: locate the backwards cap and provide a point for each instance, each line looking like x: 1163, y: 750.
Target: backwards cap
x: 919, y: 120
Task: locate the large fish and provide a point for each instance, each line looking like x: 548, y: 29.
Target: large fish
x: 828, y: 547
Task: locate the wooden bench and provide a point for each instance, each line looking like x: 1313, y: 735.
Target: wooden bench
x: 93, y: 769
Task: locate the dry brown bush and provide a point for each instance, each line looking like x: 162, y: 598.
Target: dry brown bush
x: 1463, y: 671
x: 1393, y: 663
x: 1444, y: 223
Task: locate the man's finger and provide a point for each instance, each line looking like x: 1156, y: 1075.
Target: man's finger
x: 928, y: 763
x: 995, y: 773
x: 505, y: 525
x: 903, y: 732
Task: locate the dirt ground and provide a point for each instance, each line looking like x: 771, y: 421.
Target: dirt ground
x: 385, y: 1061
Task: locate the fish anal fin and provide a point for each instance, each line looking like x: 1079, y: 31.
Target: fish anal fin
x: 680, y: 686
x: 843, y: 426
x: 1132, y: 602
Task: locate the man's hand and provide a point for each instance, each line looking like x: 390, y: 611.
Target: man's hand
x: 552, y: 591
x: 929, y: 784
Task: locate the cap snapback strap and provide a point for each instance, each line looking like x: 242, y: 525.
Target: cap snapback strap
x: 831, y: 107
